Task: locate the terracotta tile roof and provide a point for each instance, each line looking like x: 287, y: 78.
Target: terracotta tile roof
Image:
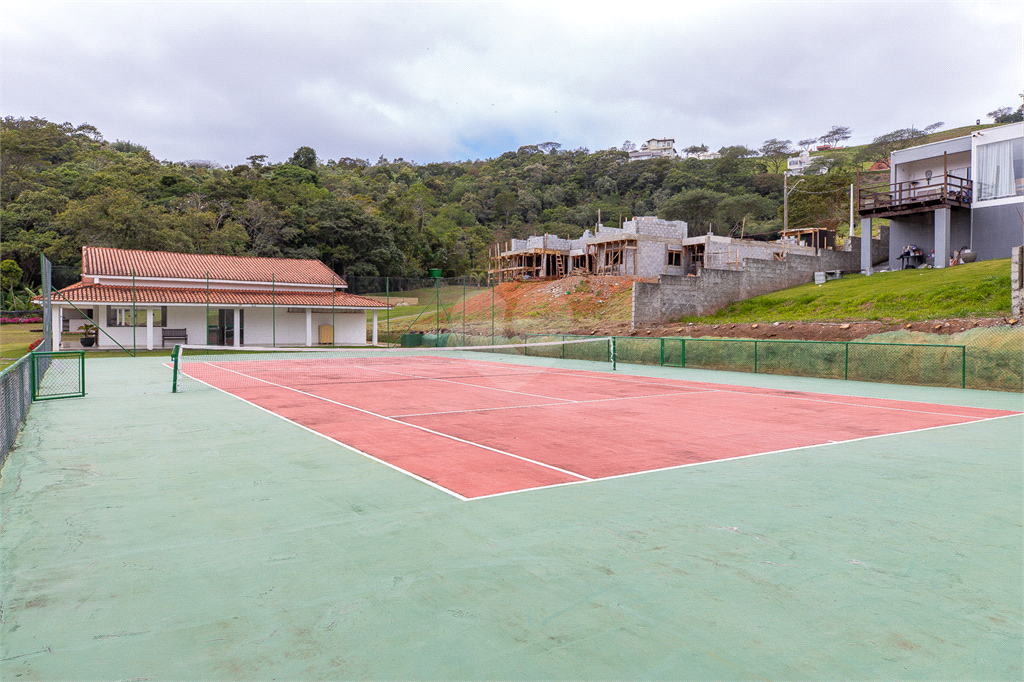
x: 120, y: 262
x: 102, y: 293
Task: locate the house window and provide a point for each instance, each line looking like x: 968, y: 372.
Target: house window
x: 122, y: 317
x: 1000, y: 169
x: 675, y: 258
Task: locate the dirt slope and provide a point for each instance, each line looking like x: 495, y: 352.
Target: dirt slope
x: 600, y: 305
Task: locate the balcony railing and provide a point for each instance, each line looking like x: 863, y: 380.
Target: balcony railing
x: 914, y: 196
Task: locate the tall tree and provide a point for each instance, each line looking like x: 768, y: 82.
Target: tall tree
x: 776, y: 152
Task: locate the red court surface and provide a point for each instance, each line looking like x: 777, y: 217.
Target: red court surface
x: 476, y: 428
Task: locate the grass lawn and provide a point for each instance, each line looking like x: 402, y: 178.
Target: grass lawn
x: 971, y: 290
x: 15, y: 339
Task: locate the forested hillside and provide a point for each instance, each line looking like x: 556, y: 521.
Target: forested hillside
x: 65, y: 186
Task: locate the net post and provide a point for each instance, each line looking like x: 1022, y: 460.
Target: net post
x: 174, y: 371
x: 611, y: 347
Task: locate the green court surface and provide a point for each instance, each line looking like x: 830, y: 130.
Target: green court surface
x: 149, y: 535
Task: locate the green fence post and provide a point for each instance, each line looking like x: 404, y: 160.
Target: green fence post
x: 135, y: 321
x: 663, y: 351
x: 846, y: 362
x: 755, y: 357
x: 32, y: 372
x: 682, y: 353
x: 612, y: 347
x: 963, y: 366
x: 174, y: 380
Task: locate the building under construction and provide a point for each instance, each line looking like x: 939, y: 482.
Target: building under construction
x: 642, y: 247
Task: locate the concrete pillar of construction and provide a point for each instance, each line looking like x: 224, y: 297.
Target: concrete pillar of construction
x: 942, y: 250
x: 865, y: 245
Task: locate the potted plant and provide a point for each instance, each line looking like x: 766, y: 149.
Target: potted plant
x: 89, y: 333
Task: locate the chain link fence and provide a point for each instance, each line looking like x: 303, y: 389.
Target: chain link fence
x: 994, y: 360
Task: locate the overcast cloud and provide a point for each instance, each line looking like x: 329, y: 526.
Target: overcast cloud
x: 435, y: 81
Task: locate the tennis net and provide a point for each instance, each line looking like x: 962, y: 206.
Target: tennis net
x: 196, y: 366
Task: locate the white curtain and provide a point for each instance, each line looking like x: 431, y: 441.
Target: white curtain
x: 995, y: 170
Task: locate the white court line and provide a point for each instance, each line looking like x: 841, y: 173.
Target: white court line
x: 396, y: 421
x: 732, y: 459
x: 336, y: 441
x: 571, y: 402
x: 724, y: 388
x: 463, y: 383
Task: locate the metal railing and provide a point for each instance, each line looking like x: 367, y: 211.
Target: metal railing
x: 895, y: 196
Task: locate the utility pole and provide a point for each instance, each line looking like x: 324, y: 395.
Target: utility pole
x: 785, y: 202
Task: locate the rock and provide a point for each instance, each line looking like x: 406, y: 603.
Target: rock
x: 909, y: 326
x: 753, y: 326
x: 790, y: 327
x: 844, y: 326
x: 1012, y: 320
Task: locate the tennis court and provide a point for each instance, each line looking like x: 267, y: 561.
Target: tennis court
x: 476, y: 428
x: 146, y: 534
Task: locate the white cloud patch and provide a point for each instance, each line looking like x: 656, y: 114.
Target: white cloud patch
x: 450, y: 80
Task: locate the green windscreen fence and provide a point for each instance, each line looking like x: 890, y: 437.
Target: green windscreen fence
x: 997, y: 365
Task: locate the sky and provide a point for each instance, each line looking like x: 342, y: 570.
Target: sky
x: 448, y: 81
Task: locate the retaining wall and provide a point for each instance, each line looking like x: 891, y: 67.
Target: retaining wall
x: 710, y: 290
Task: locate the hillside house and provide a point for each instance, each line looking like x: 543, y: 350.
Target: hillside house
x: 943, y: 196
x: 142, y: 297
x: 655, y: 148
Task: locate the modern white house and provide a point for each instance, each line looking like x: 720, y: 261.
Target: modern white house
x: 155, y: 299
x: 963, y: 192
x: 655, y: 148
x: 798, y: 165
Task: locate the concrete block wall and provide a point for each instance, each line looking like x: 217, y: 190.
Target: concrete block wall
x: 1017, y: 281
x: 656, y: 227
x: 673, y: 297
x: 651, y: 258
x: 553, y: 242
x: 603, y: 231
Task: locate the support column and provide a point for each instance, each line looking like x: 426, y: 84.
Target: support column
x: 309, y: 327
x: 57, y: 320
x: 374, y: 327
x: 149, y: 329
x: 865, y: 245
x: 238, y: 328
x: 942, y: 250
